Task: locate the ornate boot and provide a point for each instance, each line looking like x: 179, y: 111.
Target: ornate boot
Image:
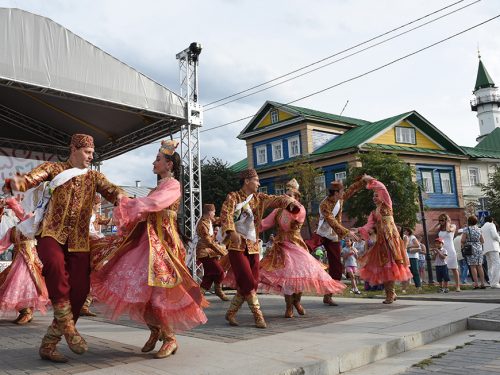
x: 296, y: 303
x: 253, y: 303
x: 169, y: 346
x: 235, y: 305
x: 153, y: 339
x: 220, y: 293
x: 85, y: 311
x: 66, y: 324
x: 328, y: 300
x: 25, y: 316
x: 48, y: 348
x: 390, y: 294
x: 289, y: 306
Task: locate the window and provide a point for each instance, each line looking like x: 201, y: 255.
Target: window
x: 293, y: 146
x: 445, y: 182
x: 340, y: 176
x: 261, y: 155
x: 427, y: 182
x: 279, y: 189
x: 473, y: 176
x: 277, y: 150
x: 274, y: 116
x: 320, y: 184
x: 263, y: 189
x: 405, y: 135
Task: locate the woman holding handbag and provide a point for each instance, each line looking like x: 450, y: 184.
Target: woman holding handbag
x: 473, y: 237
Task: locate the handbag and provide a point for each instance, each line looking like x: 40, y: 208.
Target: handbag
x: 467, y: 247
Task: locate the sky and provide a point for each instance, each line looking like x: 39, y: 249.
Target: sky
x: 248, y: 42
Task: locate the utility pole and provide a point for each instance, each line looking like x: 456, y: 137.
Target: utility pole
x: 426, y: 238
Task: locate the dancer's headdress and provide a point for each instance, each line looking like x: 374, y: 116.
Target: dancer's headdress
x: 293, y: 186
x: 168, y: 147
x: 82, y: 140
x: 336, y: 185
x: 248, y: 173
x: 207, y: 207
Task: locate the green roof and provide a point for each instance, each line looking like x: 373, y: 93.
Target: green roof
x: 355, y: 137
x: 413, y: 149
x: 239, y: 166
x: 483, y: 79
x: 306, y: 112
x: 491, y: 141
x: 475, y: 152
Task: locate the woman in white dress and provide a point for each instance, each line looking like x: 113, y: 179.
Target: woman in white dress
x: 447, y: 232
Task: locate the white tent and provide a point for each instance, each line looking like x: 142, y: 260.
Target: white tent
x: 54, y: 83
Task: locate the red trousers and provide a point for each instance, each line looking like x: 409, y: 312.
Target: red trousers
x: 246, y: 270
x: 212, y: 272
x: 334, y: 263
x: 67, y: 274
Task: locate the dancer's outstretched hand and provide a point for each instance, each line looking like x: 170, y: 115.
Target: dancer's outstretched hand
x: 353, y: 233
x: 367, y: 178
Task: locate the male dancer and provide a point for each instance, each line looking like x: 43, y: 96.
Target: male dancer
x: 331, y: 230
x: 241, y: 215
x: 63, y: 237
x: 208, y: 251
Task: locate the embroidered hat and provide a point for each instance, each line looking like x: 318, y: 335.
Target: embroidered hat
x: 168, y: 147
x: 336, y: 185
x: 248, y: 173
x: 293, y: 186
x: 208, y: 207
x: 82, y: 140
x: 439, y: 239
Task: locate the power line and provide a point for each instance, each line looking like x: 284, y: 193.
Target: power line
x: 344, y: 57
x: 367, y: 72
x: 337, y: 53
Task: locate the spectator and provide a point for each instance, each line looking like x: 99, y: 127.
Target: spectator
x: 491, y: 249
x: 440, y: 255
x: 446, y: 232
x: 413, y: 249
x: 472, y: 235
x: 462, y: 262
x: 350, y: 256
x: 421, y: 260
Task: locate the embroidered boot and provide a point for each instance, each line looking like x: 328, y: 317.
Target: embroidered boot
x: 66, y: 324
x: 296, y: 303
x: 85, y: 311
x: 25, y: 316
x: 153, y: 339
x: 289, y: 306
x: 48, y: 348
x: 220, y: 293
x: 328, y: 300
x: 253, y: 303
x: 235, y: 305
x: 390, y: 294
x: 169, y: 346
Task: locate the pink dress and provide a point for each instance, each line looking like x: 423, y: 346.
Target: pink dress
x: 21, y: 284
x: 288, y: 267
x: 387, y: 259
x: 142, y: 271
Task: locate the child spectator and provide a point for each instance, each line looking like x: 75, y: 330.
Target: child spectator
x: 350, y: 256
x: 440, y: 255
x: 421, y: 260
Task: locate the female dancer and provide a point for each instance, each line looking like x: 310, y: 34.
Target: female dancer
x: 22, y: 286
x: 288, y: 268
x: 144, y: 272
x: 386, y: 262
x: 447, y: 232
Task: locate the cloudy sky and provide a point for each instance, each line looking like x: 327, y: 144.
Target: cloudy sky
x: 248, y: 42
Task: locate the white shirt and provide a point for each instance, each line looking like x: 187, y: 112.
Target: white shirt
x: 491, y: 238
x: 411, y: 244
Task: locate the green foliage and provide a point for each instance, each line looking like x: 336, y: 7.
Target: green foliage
x: 217, y: 180
x: 397, y: 176
x: 492, y: 193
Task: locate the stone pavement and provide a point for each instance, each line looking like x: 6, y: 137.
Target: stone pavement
x: 328, y: 340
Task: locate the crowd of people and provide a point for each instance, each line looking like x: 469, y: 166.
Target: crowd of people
x: 61, y: 259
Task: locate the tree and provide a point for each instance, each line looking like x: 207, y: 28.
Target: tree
x: 306, y: 176
x: 217, y: 180
x: 397, y: 176
x: 492, y: 193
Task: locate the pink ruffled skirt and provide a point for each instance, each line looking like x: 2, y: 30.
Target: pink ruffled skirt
x: 301, y: 273
x: 19, y: 290
x: 122, y: 285
x: 376, y: 274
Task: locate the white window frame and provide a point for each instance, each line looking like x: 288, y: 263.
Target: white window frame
x: 428, y: 188
x: 273, y: 147
x: 341, y: 176
x: 275, y: 116
x: 320, y: 184
x: 263, y: 189
x: 449, y: 189
x: 257, y: 154
x: 290, y: 146
x: 405, y: 135
x: 279, y: 188
x: 478, y: 176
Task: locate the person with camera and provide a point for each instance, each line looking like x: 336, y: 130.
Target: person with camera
x: 472, y: 249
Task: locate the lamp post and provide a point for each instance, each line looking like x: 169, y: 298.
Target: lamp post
x: 426, y: 238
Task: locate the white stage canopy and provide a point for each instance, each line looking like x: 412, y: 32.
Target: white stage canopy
x: 53, y: 84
